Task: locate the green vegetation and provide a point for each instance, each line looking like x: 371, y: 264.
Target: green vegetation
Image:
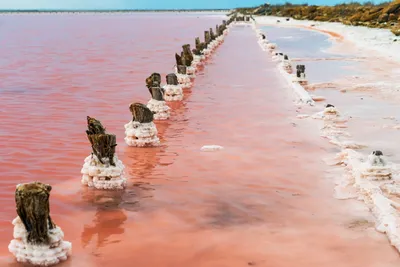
x: 385, y: 15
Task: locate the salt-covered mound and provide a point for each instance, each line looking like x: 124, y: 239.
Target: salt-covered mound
x: 103, y: 175
x: 330, y: 113
x: 42, y: 255
x: 376, y: 167
x: 209, y: 148
x: 141, y: 131
x: 37, y: 239
x: 198, y: 61
x: 159, y: 108
x: 184, y: 80
x: 173, y: 92
x: 141, y: 134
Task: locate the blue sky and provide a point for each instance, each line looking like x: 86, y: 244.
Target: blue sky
x: 144, y: 4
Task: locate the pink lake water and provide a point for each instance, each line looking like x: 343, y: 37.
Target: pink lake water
x: 262, y: 201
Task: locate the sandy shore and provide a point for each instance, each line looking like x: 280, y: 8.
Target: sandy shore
x: 381, y: 41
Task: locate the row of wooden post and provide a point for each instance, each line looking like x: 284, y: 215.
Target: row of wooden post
x: 32, y: 199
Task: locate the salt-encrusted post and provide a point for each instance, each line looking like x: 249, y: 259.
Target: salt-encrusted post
x: 173, y: 90
x: 287, y: 65
x: 187, y: 59
x: 37, y: 239
x: 102, y: 169
x: 157, y: 103
x: 141, y: 130
x: 301, y: 75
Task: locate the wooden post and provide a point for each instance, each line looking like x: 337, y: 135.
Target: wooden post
x: 141, y: 113
x: 32, y: 201
x: 212, y: 35
x: 285, y: 57
x: 181, y: 69
x: 172, y: 79
x: 94, y: 126
x: 187, y: 55
x: 154, y: 80
x: 178, y: 59
x: 207, y: 37
x: 263, y: 36
x: 217, y: 33
x: 157, y: 93
x: 103, y: 146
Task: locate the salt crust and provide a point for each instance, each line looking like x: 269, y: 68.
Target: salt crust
x: 103, y: 176
x: 141, y: 134
x: 159, y: 108
x: 184, y: 80
x: 42, y: 255
x: 209, y: 148
x: 369, y: 188
x: 173, y: 92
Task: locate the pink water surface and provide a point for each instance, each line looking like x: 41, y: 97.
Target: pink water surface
x: 261, y: 201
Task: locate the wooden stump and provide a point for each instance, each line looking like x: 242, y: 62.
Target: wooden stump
x: 32, y: 201
x: 212, y: 35
x: 224, y: 22
x: 217, y: 33
x: 157, y: 93
x: 285, y: 57
x: 154, y: 80
x: 207, y: 37
x: 187, y: 55
x: 141, y: 113
x: 299, y: 70
x: 172, y: 79
x: 178, y: 59
x: 181, y: 69
x: 263, y: 36
x: 94, y: 126
x: 103, y: 146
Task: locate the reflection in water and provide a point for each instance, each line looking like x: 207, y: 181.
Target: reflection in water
x: 105, y: 224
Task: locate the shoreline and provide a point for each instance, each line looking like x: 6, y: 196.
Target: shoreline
x: 379, y: 195
x: 382, y: 41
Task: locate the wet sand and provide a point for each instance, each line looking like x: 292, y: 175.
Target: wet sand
x: 265, y: 200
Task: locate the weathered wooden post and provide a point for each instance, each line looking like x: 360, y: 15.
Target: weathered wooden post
x: 173, y: 90
x: 37, y: 239
x: 207, y: 37
x: 141, y: 130
x: 102, y: 169
x: 301, y: 75
x: 157, y: 103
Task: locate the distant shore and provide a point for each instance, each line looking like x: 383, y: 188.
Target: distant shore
x: 111, y: 11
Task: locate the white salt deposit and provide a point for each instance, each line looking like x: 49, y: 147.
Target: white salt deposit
x: 209, y: 148
x: 103, y: 176
x: 173, y: 92
x: 42, y: 255
x: 141, y: 134
x: 184, y: 80
x: 369, y: 190
x: 159, y: 108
